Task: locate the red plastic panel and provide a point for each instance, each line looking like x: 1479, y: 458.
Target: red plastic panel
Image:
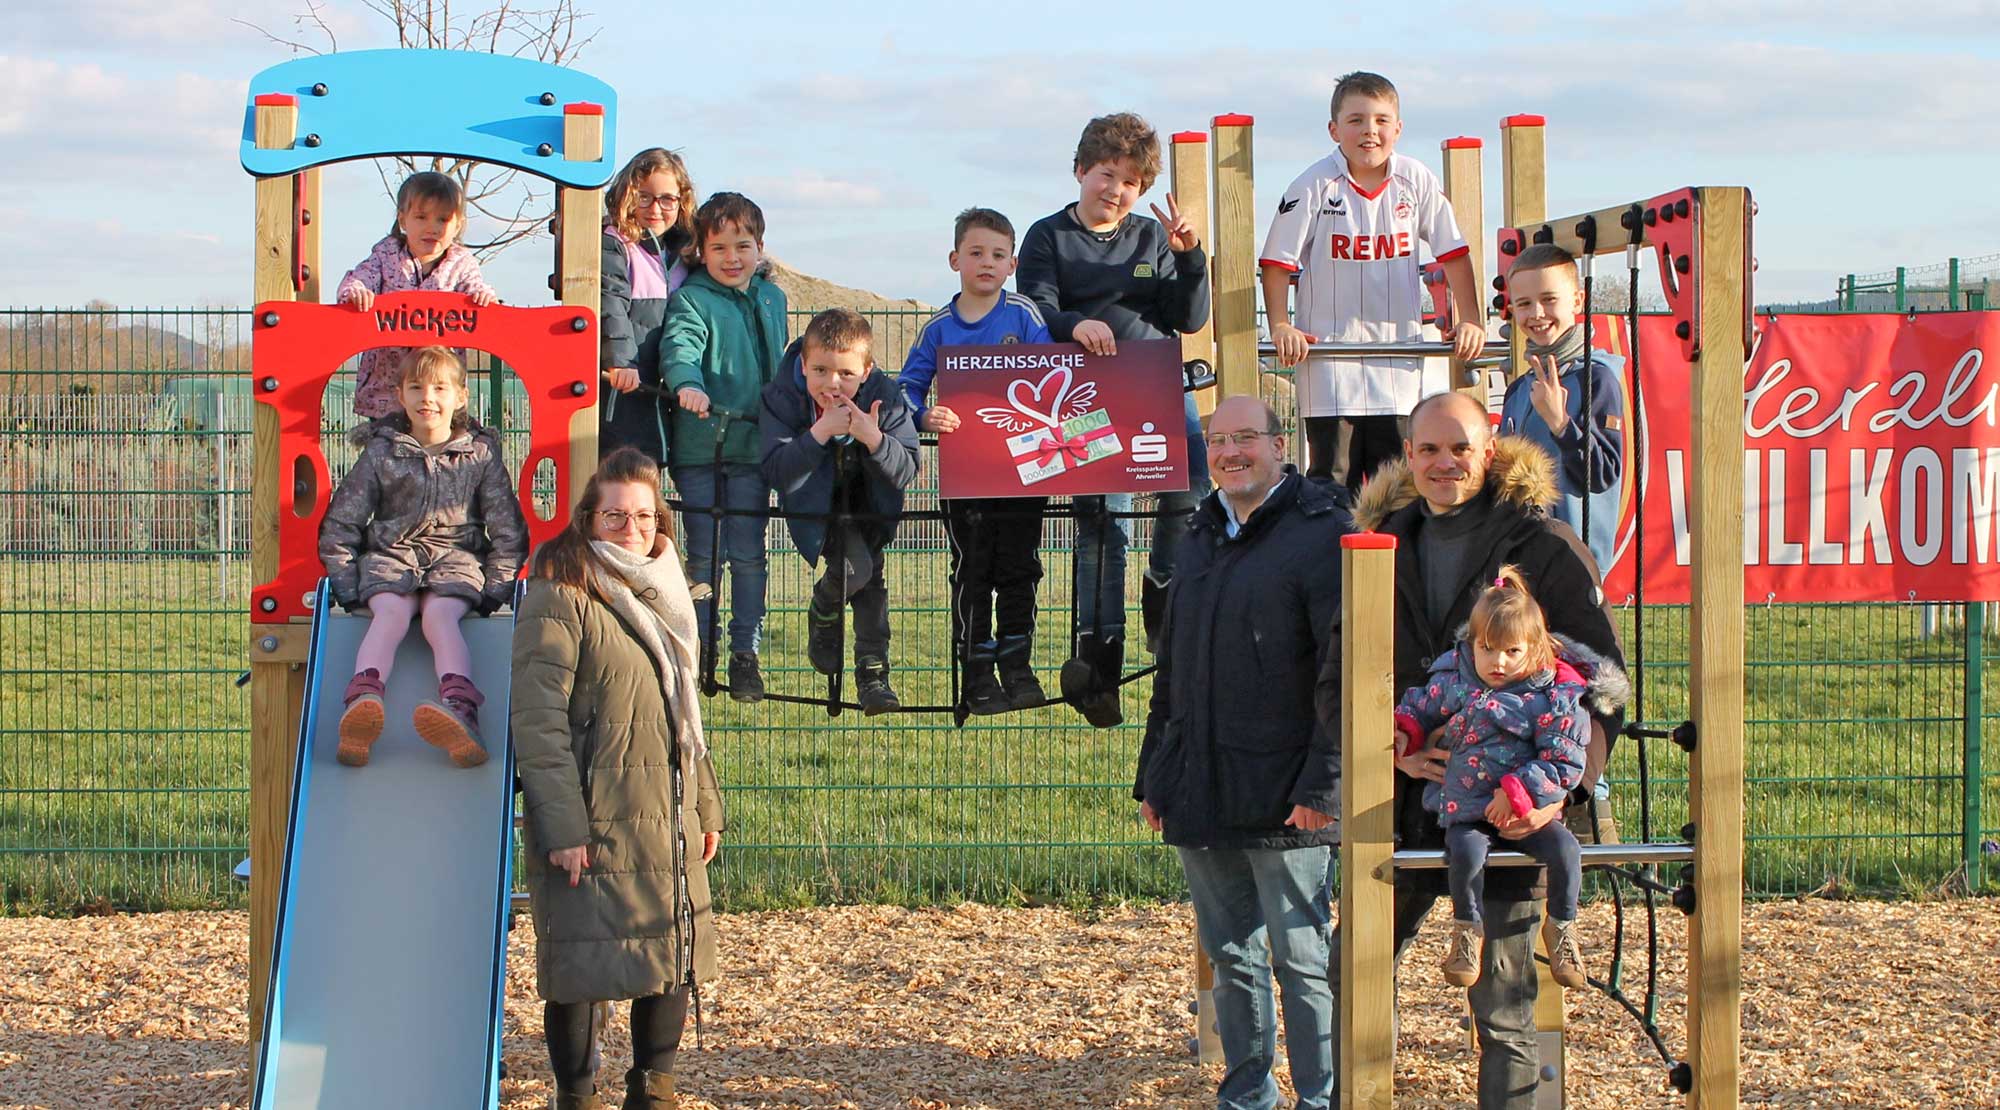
x: 1673, y: 221
x: 297, y: 347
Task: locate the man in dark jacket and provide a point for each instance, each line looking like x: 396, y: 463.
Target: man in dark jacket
x: 838, y: 439
x: 1235, y: 770
x: 1461, y: 504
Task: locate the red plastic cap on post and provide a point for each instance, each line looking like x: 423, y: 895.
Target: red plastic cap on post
x: 1463, y: 142
x: 1233, y: 119
x: 275, y: 100
x: 1368, y: 541
x: 1524, y: 121
x: 1190, y: 136
x: 583, y: 108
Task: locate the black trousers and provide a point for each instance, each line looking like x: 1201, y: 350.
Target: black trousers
x: 996, y: 566
x: 854, y: 569
x: 571, y: 1030
x: 1371, y: 441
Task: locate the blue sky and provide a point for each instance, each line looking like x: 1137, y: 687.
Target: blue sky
x: 1866, y: 131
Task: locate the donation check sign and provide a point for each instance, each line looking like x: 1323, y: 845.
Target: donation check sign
x: 1047, y: 419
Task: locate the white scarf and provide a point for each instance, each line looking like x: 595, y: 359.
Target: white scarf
x: 650, y: 592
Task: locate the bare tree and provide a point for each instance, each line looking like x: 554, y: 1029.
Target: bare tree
x: 505, y: 206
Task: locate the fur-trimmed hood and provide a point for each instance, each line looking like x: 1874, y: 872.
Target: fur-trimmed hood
x: 1607, y: 688
x: 1522, y: 474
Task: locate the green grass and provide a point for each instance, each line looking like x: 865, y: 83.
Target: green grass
x: 124, y: 754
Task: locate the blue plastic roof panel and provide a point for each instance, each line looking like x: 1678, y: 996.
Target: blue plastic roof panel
x: 459, y: 103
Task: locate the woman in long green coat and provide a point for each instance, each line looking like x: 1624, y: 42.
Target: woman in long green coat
x: 608, y: 741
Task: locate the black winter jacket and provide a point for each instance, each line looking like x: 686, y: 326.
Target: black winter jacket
x: 805, y: 472
x: 1559, y: 573
x: 1232, y: 741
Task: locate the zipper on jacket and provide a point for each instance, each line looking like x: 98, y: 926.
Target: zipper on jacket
x: 586, y: 756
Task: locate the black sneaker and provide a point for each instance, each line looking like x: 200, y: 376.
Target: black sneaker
x: 983, y: 696
x: 823, y: 639
x: 1024, y: 690
x: 1090, y: 680
x: 871, y: 686
x: 746, y: 682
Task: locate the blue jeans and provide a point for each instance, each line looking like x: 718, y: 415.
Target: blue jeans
x: 742, y: 545
x: 1098, y: 583
x: 1244, y: 897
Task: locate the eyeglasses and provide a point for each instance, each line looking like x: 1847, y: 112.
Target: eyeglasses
x: 616, y: 519
x: 664, y: 200
x: 1240, y: 439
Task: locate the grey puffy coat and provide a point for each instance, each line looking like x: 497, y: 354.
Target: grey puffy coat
x: 405, y: 520
x: 594, y: 745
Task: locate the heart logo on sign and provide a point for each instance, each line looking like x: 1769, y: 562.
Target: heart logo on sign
x: 1045, y: 404
x: 1040, y: 393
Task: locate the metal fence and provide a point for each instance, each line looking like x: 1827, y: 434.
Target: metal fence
x: 1948, y: 286
x: 124, y: 486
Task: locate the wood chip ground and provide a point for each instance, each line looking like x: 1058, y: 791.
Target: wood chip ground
x: 1846, y: 1005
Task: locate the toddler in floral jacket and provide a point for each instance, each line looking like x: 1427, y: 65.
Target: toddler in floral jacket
x: 1511, y: 707
x: 421, y: 251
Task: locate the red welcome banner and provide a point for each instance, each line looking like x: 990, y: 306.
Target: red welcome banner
x: 1872, y: 464
x: 1048, y: 419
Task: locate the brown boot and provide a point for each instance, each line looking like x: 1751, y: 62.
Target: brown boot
x: 650, y: 1090
x: 1565, y: 955
x: 575, y: 1102
x: 361, y: 721
x: 452, y: 722
x: 1461, y: 954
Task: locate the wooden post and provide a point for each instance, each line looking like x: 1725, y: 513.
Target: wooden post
x: 1525, y: 201
x: 1190, y: 183
x: 1233, y: 262
x: 1207, y: 1042
x: 1367, y: 1048
x: 277, y: 687
x: 1715, y: 681
x: 581, y: 213
x: 310, y: 194
x: 1467, y: 193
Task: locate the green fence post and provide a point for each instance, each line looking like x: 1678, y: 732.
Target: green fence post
x: 1951, y: 287
x: 1902, y: 288
x: 1975, y: 721
x: 1847, y: 293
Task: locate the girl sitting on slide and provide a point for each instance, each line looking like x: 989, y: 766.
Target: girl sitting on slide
x: 425, y: 523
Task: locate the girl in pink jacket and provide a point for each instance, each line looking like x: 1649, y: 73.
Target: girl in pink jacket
x: 421, y: 251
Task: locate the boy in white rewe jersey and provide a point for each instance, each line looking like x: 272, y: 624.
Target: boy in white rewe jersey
x: 1349, y: 227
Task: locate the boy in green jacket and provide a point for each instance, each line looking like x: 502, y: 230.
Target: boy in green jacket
x: 719, y: 347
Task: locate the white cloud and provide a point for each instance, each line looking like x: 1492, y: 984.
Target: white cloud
x: 811, y: 189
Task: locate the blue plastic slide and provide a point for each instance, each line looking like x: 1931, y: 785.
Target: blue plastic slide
x: 389, y: 965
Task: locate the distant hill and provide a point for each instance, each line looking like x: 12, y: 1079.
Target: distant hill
x: 806, y: 291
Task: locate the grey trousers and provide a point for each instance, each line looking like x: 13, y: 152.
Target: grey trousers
x: 1503, y: 1001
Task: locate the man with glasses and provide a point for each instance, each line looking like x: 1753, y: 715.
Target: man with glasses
x: 1235, y: 772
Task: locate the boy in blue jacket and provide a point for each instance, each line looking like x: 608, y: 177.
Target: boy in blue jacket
x: 1547, y: 404
x: 995, y: 541
x: 839, y: 439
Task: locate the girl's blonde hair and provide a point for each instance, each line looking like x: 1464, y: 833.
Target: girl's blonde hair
x: 1506, y: 613
x: 428, y: 187
x: 422, y: 364
x: 621, y: 197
